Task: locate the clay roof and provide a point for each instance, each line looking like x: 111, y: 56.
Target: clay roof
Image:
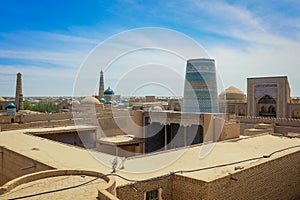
x: 75, y: 102
x: 231, y: 90
x: 61, y: 156
x: 2, y: 99
x: 90, y: 100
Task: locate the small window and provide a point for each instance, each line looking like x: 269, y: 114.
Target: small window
x: 152, y: 195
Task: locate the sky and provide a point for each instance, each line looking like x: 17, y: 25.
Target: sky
x: 49, y: 41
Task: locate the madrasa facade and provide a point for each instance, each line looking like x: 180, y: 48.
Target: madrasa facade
x: 266, y: 97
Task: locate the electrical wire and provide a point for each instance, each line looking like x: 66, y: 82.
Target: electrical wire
x: 158, y: 177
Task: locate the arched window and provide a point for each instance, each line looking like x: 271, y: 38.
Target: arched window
x: 267, y: 99
x: 296, y: 114
x: 262, y: 109
x: 241, y: 112
x: 267, y: 106
x: 271, y: 109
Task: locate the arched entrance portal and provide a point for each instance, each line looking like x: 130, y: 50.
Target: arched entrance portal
x: 267, y: 106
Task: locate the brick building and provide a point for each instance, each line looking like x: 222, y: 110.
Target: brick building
x: 261, y: 167
x: 266, y: 97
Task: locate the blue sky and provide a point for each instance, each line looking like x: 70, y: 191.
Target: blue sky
x: 48, y: 40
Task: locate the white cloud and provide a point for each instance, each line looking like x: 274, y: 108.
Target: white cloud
x: 35, y: 71
x: 263, y: 51
x: 254, y: 48
x: 257, y: 60
x: 43, y: 36
x: 231, y: 15
x: 127, y: 52
x: 52, y: 48
x: 58, y: 58
x: 37, y: 81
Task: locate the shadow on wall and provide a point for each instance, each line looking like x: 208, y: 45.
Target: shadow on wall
x: 14, y: 165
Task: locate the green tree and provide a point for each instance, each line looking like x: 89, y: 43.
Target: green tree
x: 48, y: 107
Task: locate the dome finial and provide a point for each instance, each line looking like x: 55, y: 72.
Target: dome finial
x: 109, y: 91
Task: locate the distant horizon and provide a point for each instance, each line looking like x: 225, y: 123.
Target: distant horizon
x: 85, y: 96
x: 125, y: 96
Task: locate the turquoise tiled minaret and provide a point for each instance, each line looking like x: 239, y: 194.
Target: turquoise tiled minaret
x: 200, y: 90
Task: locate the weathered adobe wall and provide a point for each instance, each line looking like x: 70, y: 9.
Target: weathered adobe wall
x: 277, y: 129
x: 5, y: 127
x: 35, y: 117
x: 115, y: 113
x: 107, y: 124
x: 276, y: 179
x: 116, y: 126
x: 218, y: 129
x: 12, y: 164
x: 110, y: 126
x: 63, y: 116
x: 285, y: 129
x: 28, y: 118
x: 138, y: 190
x: 173, y: 187
x: 9, y: 119
x: 187, y: 188
x: 105, y: 195
x: 277, y: 121
x: 230, y: 131
x: 244, y: 126
x: 1, y: 166
x: 45, y: 117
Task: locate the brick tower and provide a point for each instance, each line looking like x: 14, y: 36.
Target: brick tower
x: 101, y: 85
x: 19, y: 93
x: 200, y: 91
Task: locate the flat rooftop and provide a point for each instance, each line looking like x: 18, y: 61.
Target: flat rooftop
x: 54, y: 183
x: 58, y: 130
x: 62, y: 156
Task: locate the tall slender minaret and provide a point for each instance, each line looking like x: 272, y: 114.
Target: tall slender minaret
x: 19, y: 93
x: 101, y: 85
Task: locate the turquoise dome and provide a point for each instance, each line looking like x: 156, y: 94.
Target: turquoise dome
x: 109, y: 91
x: 109, y: 102
x: 103, y: 100
x: 11, y: 105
